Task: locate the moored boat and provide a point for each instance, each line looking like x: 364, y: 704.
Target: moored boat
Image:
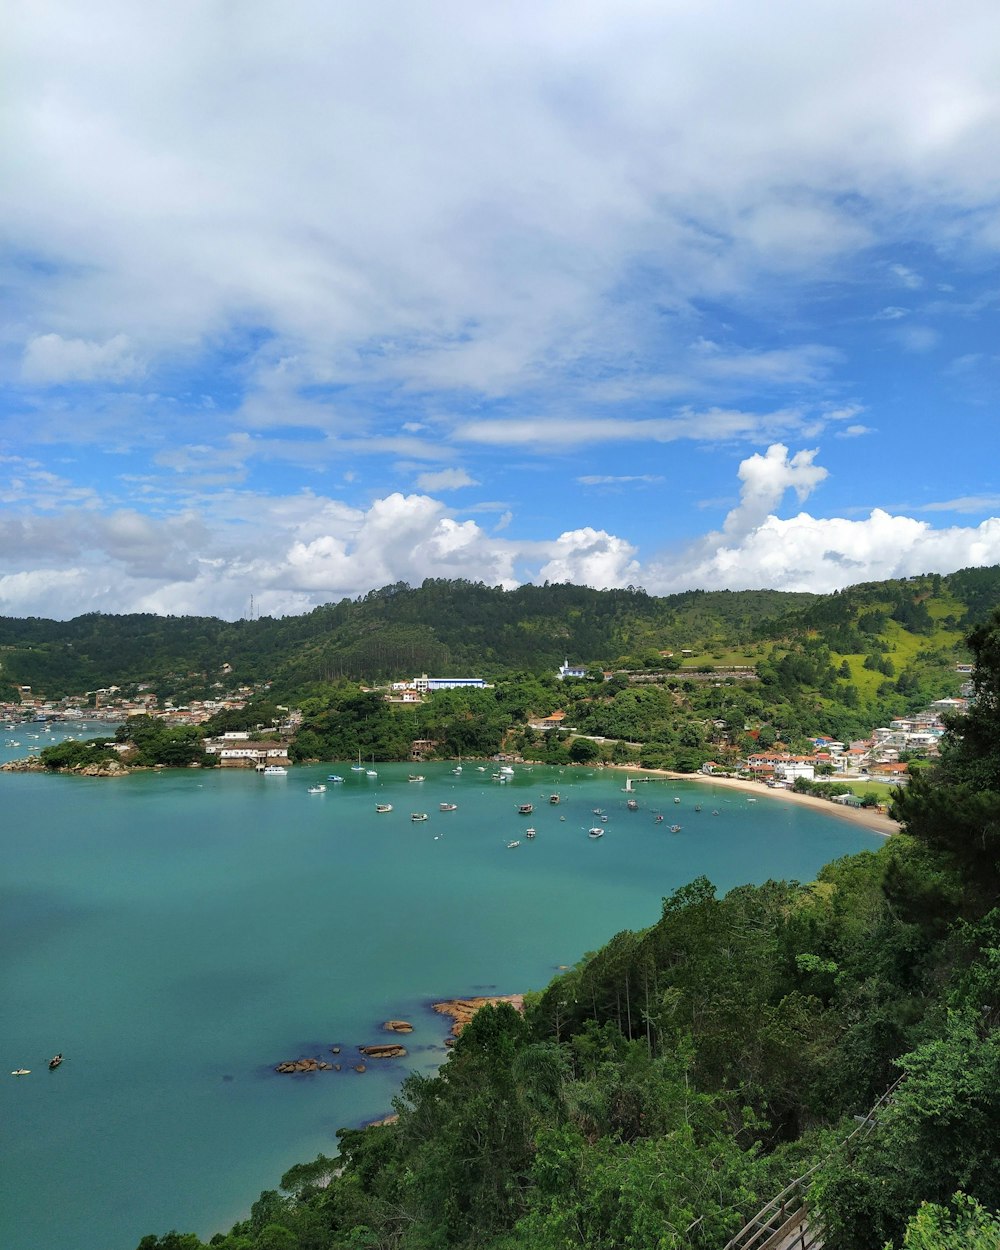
x: 383, y: 807
x: 525, y: 809
x: 320, y: 789
x: 418, y: 816
x: 675, y: 828
x: 595, y: 832
x: 447, y: 807
x: 511, y: 845
x: 529, y: 832
x: 415, y: 777
x: 275, y: 770
x: 554, y: 799
x: 632, y: 805
x: 335, y: 778
x: 55, y: 1061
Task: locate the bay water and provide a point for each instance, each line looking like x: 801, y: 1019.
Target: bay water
x: 177, y: 933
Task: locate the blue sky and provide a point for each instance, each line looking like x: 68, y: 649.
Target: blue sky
x: 302, y: 299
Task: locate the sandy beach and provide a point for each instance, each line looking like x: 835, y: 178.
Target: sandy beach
x: 867, y: 817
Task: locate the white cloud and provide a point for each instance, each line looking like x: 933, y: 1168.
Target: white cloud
x: 598, y: 479
x: 854, y: 431
x: 451, y: 197
x: 591, y: 557
x: 50, y: 359
x: 706, y: 426
x: 315, y: 549
x: 823, y: 554
x: 445, y: 479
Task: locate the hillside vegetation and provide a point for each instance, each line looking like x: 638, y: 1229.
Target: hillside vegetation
x: 456, y: 626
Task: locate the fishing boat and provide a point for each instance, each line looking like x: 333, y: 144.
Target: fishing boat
x: 525, y: 809
x: 416, y: 817
x: 383, y: 807
x: 595, y: 832
x: 529, y: 832
x: 54, y: 1062
x: 447, y: 807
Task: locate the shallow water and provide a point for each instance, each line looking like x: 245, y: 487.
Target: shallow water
x: 176, y: 934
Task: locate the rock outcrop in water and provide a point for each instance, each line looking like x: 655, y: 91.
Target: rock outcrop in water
x: 390, y: 1051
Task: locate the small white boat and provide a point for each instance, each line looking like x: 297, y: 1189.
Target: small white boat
x: 21, y: 1072
x: 675, y: 828
x: 371, y: 772
x: 317, y: 789
x: 447, y: 807
x: 751, y: 800
x: 595, y: 832
x: 481, y: 768
x: 511, y: 845
x: 275, y: 770
x: 525, y: 809
x: 415, y: 777
x: 507, y: 770
x: 676, y: 799
x: 383, y: 807
x: 457, y: 770
x: 529, y: 832
x: 358, y: 767
x: 335, y: 779
x: 416, y: 817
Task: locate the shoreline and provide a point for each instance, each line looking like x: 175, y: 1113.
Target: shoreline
x: 866, y: 817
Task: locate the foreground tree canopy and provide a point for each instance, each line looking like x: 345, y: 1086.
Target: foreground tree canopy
x: 662, y: 1090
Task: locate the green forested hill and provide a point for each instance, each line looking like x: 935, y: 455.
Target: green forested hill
x: 879, y: 629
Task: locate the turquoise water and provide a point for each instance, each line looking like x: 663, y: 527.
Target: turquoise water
x: 176, y: 934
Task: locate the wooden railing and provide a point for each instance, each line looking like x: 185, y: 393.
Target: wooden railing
x: 785, y: 1223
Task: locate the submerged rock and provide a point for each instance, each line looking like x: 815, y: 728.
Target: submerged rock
x: 398, y: 1026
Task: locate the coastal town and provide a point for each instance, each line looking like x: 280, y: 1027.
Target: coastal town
x: 885, y: 755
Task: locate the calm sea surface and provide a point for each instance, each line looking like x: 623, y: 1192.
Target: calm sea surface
x: 176, y: 934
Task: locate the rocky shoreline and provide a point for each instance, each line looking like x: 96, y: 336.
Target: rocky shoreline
x: 112, y: 768
x: 460, y: 1010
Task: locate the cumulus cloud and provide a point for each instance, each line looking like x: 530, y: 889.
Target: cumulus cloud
x: 296, y: 551
x: 591, y: 557
x: 757, y: 549
x: 823, y: 554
